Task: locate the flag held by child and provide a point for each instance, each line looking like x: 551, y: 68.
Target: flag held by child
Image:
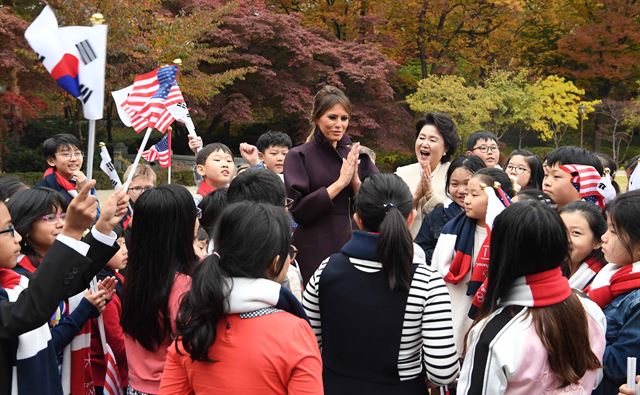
x: 75, y: 56
x: 160, y: 152
x: 149, y: 98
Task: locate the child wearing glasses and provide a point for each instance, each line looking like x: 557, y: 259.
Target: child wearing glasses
x: 143, y: 179
x: 64, y: 156
x: 525, y: 170
x: 485, y: 145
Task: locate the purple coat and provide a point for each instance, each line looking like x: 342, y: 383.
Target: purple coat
x: 324, y: 226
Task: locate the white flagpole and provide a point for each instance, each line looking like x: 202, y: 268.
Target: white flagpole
x: 169, y: 175
x: 143, y: 146
x: 91, y: 148
x: 170, y: 157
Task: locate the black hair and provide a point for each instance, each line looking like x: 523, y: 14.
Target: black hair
x: 383, y: 204
x: 51, y: 145
x: 590, y: 212
x: 161, y: 246
x: 490, y: 175
x: 446, y: 127
x: 624, y: 214
x: 10, y: 185
x: 612, y: 166
x: 574, y: 156
x: 470, y: 163
x: 267, y: 228
x: 535, y: 166
x: 26, y: 207
x: 203, y: 154
x: 632, y: 163
x: 480, y: 135
x: 212, y: 206
x: 257, y: 185
x: 273, y: 138
x: 528, y: 238
x: 536, y: 194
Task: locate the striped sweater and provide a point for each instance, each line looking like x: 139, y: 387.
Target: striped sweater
x: 426, y: 345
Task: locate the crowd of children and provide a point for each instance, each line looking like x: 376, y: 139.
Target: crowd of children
x: 304, y: 272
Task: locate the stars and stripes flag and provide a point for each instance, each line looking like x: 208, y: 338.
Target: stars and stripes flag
x: 586, y: 180
x: 112, y: 385
x: 160, y: 152
x: 75, y: 56
x: 144, y: 104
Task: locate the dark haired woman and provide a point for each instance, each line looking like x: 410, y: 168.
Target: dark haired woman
x: 321, y: 177
x: 436, y: 141
x: 239, y: 331
x: 161, y: 257
x: 458, y: 175
x: 519, y: 343
x: 525, y: 169
x: 381, y: 315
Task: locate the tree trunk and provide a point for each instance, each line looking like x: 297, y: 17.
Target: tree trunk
x: 420, y: 39
x: 226, y: 133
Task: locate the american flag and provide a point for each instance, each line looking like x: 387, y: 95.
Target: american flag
x: 160, y: 152
x: 586, y: 180
x: 112, y: 384
x: 150, y: 96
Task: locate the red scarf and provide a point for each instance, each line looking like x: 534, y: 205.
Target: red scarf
x: 613, y: 281
x: 27, y: 265
x: 587, y: 271
x: 538, y: 290
x: 204, y: 189
x: 68, y: 186
x: 9, y: 279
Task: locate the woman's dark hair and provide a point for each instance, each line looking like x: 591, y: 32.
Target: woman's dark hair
x: 574, y: 156
x: 267, y: 227
x: 161, y: 245
x: 26, y: 207
x: 535, y: 165
x: 490, y: 175
x: 590, y: 212
x: 536, y: 194
x: 383, y: 204
x: 516, y: 239
x: 624, y: 214
x: 212, y: 206
x: 470, y: 163
x: 446, y: 127
x: 10, y: 185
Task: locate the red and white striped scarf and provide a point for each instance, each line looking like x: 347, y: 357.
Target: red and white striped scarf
x: 586, y: 180
x: 612, y: 281
x: 77, y: 375
x: 587, y: 270
x: 538, y: 290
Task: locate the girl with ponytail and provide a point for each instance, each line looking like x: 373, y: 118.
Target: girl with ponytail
x: 533, y: 334
x: 377, y: 294
x: 238, y: 330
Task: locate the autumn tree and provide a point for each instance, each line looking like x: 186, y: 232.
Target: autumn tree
x: 292, y: 63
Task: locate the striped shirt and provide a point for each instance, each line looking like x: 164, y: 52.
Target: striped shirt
x: 427, y: 333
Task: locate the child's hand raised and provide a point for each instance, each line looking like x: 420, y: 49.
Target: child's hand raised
x: 79, y: 177
x: 113, y: 211
x: 249, y: 153
x: 195, y: 143
x: 81, y: 212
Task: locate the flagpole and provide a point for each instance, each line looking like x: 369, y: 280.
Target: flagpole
x: 91, y: 148
x: 170, y: 159
x: 143, y: 145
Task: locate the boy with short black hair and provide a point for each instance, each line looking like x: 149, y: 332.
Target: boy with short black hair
x: 271, y: 148
x: 484, y: 145
x: 63, y: 155
x: 214, y: 163
x: 572, y: 174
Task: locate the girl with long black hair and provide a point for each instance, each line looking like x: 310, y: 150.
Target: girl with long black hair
x: 376, y: 307
x: 161, y: 257
x: 239, y: 331
x: 519, y: 343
